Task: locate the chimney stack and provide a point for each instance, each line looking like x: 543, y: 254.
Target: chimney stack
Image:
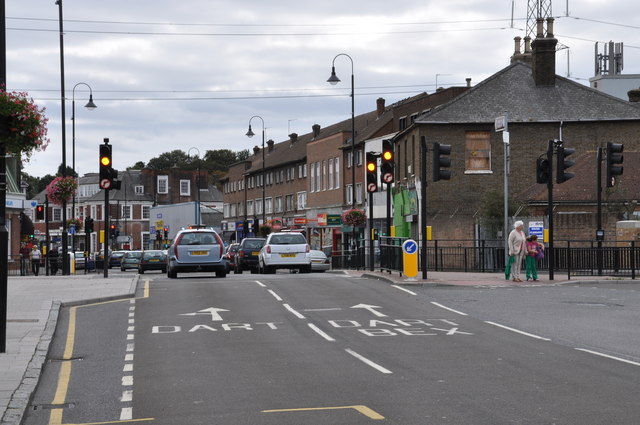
x: 544, y: 55
x: 380, y: 106
x: 256, y: 150
x: 293, y: 137
x: 634, y: 95
x: 270, y: 143
x: 316, y: 130
x: 468, y: 82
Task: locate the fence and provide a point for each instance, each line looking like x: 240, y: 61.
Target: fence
x: 575, y: 258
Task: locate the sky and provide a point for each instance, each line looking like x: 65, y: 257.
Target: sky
x: 190, y: 74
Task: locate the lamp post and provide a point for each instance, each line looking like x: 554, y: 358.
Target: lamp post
x: 90, y: 106
x: 250, y: 134
x: 198, y: 183
x: 333, y: 80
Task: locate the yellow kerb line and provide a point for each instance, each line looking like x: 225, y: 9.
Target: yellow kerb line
x: 116, y: 422
x: 371, y: 414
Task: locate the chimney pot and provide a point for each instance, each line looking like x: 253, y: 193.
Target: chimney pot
x: 527, y: 44
x: 380, y: 106
x: 316, y: 130
x: 516, y: 40
x: 468, y: 82
x: 550, y: 27
x: 634, y: 95
x: 293, y: 137
x: 270, y: 145
x: 540, y: 27
x: 256, y: 150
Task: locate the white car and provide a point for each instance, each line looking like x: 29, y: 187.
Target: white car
x: 319, y: 261
x: 285, y: 250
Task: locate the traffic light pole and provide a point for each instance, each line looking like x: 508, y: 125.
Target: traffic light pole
x: 599, y: 231
x: 371, y: 239
x: 423, y: 203
x: 47, y: 237
x: 550, y: 208
x: 105, y: 262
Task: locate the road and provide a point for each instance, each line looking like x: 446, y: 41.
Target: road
x: 331, y: 349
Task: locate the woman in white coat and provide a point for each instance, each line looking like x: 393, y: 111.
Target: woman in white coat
x: 517, y: 249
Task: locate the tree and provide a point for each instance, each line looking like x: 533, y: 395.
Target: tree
x: 177, y: 158
x: 137, y: 166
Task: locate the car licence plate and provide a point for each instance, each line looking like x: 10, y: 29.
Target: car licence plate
x: 199, y: 252
x: 255, y: 253
x: 287, y: 255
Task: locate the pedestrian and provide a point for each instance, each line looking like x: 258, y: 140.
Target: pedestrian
x: 53, y: 260
x: 533, y: 247
x: 24, y: 259
x: 517, y: 249
x: 35, y: 260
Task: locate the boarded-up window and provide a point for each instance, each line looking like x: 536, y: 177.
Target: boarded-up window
x: 477, y: 151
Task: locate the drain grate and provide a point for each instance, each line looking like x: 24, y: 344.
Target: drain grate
x: 53, y: 406
x: 22, y: 320
x: 73, y: 359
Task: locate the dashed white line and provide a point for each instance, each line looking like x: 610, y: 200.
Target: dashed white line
x: 128, y: 357
x: 608, y: 356
x: 261, y: 284
x: 276, y: 296
x: 127, y: 381
x: 404, y: 289
x: 127, y: 395
x: 450, y: 309
x: 320, y: 332
x: 126, y: 414
x: 367, y: 361
x: 518, y: 331
x: 128, y: 367
x: 295, y: 313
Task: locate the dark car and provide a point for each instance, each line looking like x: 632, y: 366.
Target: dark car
x: 153, y: 260
x: 130, y: 260
x: 115, y: 259
x: 248, y: 251
x: 196, y: 250
x: 231, y: 256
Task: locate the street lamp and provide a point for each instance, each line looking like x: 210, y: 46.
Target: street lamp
x: 90, y: 106
x: 333, y: 80
x: 197, y: 182
x: 250, y: 134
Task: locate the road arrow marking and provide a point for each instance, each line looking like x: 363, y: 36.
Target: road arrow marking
x: 214, y: 312
x: 371, y: 309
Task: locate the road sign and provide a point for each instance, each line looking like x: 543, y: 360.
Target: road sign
x: 536, y: 228
x: 410, y: 258
x: 105, y: 183
x: 387, y: 177
x: 371, y: 187
x: 72, y: 229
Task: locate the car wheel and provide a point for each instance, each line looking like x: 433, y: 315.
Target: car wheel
x: 171, y: 274
x: 122, y: 269
x: 140, y: 271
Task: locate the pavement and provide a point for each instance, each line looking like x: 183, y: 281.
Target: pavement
x: 34, y: 303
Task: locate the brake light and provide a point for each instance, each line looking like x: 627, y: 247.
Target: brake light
x: 308, y: 248
x: 268, y: 249
x: 221, y: 244
x: 241, y: 253
x: 175, y: 246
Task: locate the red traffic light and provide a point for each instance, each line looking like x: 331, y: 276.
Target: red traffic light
x: 40, y: 212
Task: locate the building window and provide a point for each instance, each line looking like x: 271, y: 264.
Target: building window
x: 312, y: 181
x: 477, y: 151
x: 139, y: 190
x: 258, y: 206
x: 349, y: 159
x: 358, y: 193
x: 337, y: 182
x: 330, y: 174
x: 57, y: 214
x: 302, y: 200
x: 249, y: 207
x: 185, y: 187
x: 268, y: 206
x: 402, y: 123
x: 126, y: 212
x: 146, y: 211
x: 324, y: 174
x: 278, y: 204
x: 225, y: 209
x: 288, y: 202
x: 359, y: 158
x: 348, y: 193
x: 163, y: 184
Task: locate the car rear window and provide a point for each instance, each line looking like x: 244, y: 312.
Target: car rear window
x: 253, y: 244
x: 292, y: 239
x: 198, y: 239
x: 149, y: 254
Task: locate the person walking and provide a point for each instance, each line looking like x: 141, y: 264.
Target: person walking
x: 25, y: 252
x: 53, y: 260
x: 517, y: 249
x: 35, y: 260
x: 531, y: 259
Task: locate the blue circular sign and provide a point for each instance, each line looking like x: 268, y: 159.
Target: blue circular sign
x: 410, y: 246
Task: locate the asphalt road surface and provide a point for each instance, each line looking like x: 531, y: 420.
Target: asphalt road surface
x: 330, y: 349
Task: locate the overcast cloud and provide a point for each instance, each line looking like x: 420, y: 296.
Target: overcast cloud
x: 179, y: 74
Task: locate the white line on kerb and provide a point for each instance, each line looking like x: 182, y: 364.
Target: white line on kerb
x: 404, y: 289
x: 261, y: 284
x: 447, y: 308
x: 367, y: 361
x: 608, y: 356
x: 518, y: 331
x: 276, y: 296
x: 295, y: 313
x: 320, y: 332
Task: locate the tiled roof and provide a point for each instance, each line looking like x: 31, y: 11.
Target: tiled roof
x: 581, y: 189
x: 513, y: 90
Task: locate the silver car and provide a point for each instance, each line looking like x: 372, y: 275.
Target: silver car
x: 319, y: 261
x: 196, y: 250
x: 285, y: 250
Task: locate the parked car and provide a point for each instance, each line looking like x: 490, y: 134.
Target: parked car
x: 319, y: 261
x: 115, y: 259
x: 285, y: 250
x: 130, y: 260
x: 231, y: 255
x: 153, y: 260
x: 196, y: 250
x: 248, y: 252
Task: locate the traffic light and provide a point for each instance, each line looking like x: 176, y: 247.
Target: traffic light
x: 563, y: 163
x: 386, y: 168
x: 372, y: 172
x: 40, y: 212
x: 542, y: 170
x: 441, y: 162
x: 614, y: 157
x: 88, y: 225
x: 112, y: 232
x: 105, y: 166
x: 166, y: 233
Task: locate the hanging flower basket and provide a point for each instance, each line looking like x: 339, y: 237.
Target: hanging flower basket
x: 26, y: 124
x: 77, y: 223
x: 354, y: 217
x: 62, y: 189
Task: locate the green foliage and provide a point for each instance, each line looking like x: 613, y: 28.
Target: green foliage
x: 491, y: 207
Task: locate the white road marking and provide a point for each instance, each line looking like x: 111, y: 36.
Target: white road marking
x: 127, y: 381
x: 608, y: 356
x: 371, y: 308
x: 128, y: 357
x: 276, y: 296
x: 131, y: 329
x: 320, y: 332
x: 127, y: 395
x: 261, y: 284
x: 128, y: 367
x: 518, y: 331
x: 126, y: 414
x: 367, y: 361
x: 404, y: 289
x: 447, y: 308
x: 295, y: 313
x: 323, y: 309
x: 130, y: 347
x: 130, y: 337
